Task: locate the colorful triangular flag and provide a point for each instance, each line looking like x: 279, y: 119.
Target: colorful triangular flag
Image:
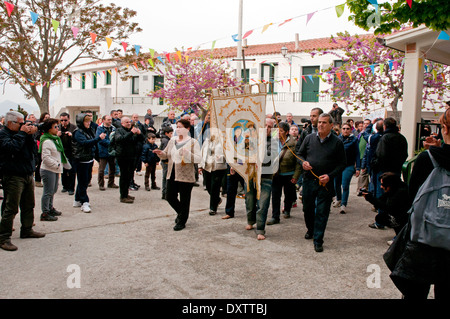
x: 362, y: 71
x: 309, y: 16
x: 247, y: 34
x: 284, y: 22
x: 349, y: 73
x: 125, y: 46
x: 152, y: 53
x: 108, y: 41
x: 266, y: 27
x: 55, y: 25
x: 338, y: 74
x: 9, y: 8
x: 235, y: 37
x: 443, y: 36
x: 137, y: 49
x: 375, y: 4
x: 409, y: 3
x: 75, y: 31
x: 340, y: 9
x: 93, y: 37
x: 34, y: 17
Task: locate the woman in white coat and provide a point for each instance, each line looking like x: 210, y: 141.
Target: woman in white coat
x: 53, y: 162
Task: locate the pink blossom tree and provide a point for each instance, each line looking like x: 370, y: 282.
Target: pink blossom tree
x: 188, y: 80
x: 372, y: 74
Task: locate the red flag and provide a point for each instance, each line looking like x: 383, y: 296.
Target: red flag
x: 247, y: 34
x: 93, y: 37
x: 362, y: 71
x: 339, y: 76
x: 409, y: 3
x: 125, y: 45
x: 304, y: 78
x: 289, y: 80
x: 285, y: 21
x: 168, y: 57
x: 9, y: 8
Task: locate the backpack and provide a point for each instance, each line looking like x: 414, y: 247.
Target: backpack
x: 112, y: 145
x: 430, y: 213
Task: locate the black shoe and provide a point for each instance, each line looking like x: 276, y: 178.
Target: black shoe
x: 178, y: 227
x: 32, y: 234
x: 64, y: 190
x: 156, y: 187
x: 308, y: 235
x: 48, y: 218
x: 286, y: 214
x: 71, y: 193
x: 318, y: 248
x: 273, y: 221
x: 212, y: 213
x: 196, y: 184
x: 54, y: 212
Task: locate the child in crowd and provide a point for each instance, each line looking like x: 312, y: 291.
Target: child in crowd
x: 150, y: 161
x: 294, y: 133
x: 167, y: 133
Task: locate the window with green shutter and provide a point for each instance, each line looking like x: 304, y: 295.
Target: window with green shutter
x: 310, y: 87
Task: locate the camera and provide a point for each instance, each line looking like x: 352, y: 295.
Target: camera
x: 362, y: 191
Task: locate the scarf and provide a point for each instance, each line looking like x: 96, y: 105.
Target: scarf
x: 58, y: 144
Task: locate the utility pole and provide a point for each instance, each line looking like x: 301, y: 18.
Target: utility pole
x: 239, y: 46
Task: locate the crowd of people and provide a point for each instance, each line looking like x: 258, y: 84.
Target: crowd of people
x: 314, y: 162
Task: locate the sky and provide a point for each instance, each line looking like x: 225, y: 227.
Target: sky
x: 198, y: 23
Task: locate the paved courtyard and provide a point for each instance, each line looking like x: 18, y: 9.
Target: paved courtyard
x: 130, y: 251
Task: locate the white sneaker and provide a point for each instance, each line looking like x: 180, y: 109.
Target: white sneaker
x: 337, y: 203
x: 343, y: 208
x: 86, y: 208
x: 76, y: 204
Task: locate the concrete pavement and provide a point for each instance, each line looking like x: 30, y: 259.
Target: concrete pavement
x: 130, y: 251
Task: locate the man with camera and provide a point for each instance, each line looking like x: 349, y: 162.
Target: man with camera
x: 17, y: 155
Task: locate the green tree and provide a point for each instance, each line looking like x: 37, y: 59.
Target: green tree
x: 35, y: 55
x: 393, y: 15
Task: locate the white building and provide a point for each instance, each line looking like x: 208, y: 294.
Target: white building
x: 98, y: 86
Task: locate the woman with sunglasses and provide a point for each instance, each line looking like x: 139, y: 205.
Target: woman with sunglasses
x: 342, y: 181
x: 53, y: 161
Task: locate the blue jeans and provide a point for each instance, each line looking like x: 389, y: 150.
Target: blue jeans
x: 342, y: 184
x: 316, y: 207
x: 375, y: 188
x: 257, y: 209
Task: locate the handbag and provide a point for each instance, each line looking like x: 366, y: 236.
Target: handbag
x: 395, y: 251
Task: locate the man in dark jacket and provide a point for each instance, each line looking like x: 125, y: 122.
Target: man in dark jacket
x: 65, y: 132
x: 104, y: 157
x: 322, y: 155
x: 392, y: 150
x: 17, y: 154
x: 126, y: 139
x: 336, y: 113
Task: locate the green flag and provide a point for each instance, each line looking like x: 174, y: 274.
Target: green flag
x: 55, y: 25
x: 340, y: 9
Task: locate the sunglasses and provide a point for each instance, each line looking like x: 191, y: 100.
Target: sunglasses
x: 64, y: 120
x: 345, y: 128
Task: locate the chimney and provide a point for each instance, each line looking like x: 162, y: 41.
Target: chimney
x: 296, y: 42
x: 244, y: 43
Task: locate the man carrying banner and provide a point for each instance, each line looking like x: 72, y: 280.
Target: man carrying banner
x: 323, y: 157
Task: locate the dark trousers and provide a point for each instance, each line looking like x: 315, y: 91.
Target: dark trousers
x: 18, y: 193
x: 68, y: 177
x: 282, y: 183
x: 37, y: 171
x: 111, y: 162
x: 164, y: 178
x: 416, y: 290
x: 84, y: 175
x: 232, y: 186
x: 316, y: 207
x: 181, y: 206
x: 150, y: 172
x: 213, y: 182
x: 127, y: 167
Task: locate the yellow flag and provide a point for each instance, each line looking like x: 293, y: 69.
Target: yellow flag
x: 266, y: 27
x: 109, y: 41
x: 349, y: 73
x: 179, y: 55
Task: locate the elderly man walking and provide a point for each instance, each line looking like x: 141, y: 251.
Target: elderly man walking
x: 323, y: 158
x: 17, y: 155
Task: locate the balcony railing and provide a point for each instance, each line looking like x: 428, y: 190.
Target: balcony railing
x: 310, y: 97
x: 138, y: 100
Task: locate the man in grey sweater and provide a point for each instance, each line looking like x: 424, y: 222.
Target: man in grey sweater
x: 323, y: 158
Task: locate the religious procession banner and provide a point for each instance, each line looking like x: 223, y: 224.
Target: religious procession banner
x: 238, y: 119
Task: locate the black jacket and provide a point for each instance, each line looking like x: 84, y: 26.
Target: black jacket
x: 17, y: 153
x: 66, y: 139
x: 392, y: 151
x: 127, y: 143
x: 84, y: 142
x: 164, y: 141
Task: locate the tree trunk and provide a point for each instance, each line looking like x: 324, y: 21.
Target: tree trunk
x: 394, y: 107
